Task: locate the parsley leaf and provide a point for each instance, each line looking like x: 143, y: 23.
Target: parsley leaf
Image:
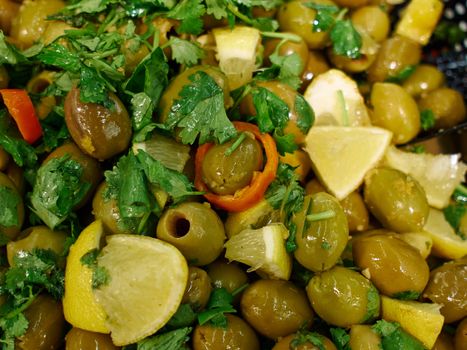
x: 217, y: 8
x: 402, y: 74
x: 173, y: 340
x: 427, y: 119
x: 200, y: 112
x: 189, y: 12
x: 58, y: 56
x: 305, y: 114
x: 373, y: 303
x: 303, y: 337
x: 184, y: 317
x: 407, y: 295
x: 220, y: 302
x: 271, y: 111
x: 340, y: 338
x: 9, y: 206
x: 100, y: 275
x: 185, y: 52
x: 93, y: 88
x: 393, y: 337
x: 325, y: 16
x: 290, y: 68
x: 346, y: 40
x: 453, y: 214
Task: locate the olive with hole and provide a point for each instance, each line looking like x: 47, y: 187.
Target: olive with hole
x: 362, y: 337
x: 448, y: 287
x: 100, y: 131
x: 237, y: 335
x: 396, y: 268
x: 12, y: 204
x: 447, y: 105
x: 226, y: 172
x: 195, y: 229
x: 276, y: 308
x: 424, y: 79
x: 396, y: 199
x: 198, y: 288
x: 287, y: 343
x: 343, y: 297
x: 227, y: 275
x: 79, y: 339
x: 460, y: 338
x: 322, y: 232
x: 394, y: 109
x: 287, y: 48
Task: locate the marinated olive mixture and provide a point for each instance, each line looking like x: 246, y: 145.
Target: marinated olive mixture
x: 223, y: 174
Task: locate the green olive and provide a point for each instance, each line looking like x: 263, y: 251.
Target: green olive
x: 448, y: 287
x: 373, y: 20
x: 447, y: 105
x: 396, y: 53
x: 362, y: 337
x: 276, y: 308
x: 460, y: 338
x: 13, y: 206
x: 297, y: 18
x: 351, y: 3
x: 397, y: 200
x: 4, y: 77
x: 355, y: 212
x: 444, y: 342
x: 394, y: 109
x: 46, y: 326
x: 394, y: 267
x: 99, y: 131
x: 198, y: 288
x: 195, y: 229
x: 343, y: 297
x: 8, y: 11
x: 133, y: 56
x: 286, y: 49
x: 238, y: 335
x: 285, y: 344
x: 355, y: 65
x: 314, y: 66
x: 79, y: 339
x: 226, y: 275
x: 320, y: 242
x: 314, y: 186
x: 425, y: 78
x: 227, y: 173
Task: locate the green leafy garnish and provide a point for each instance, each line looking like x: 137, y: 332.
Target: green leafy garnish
x: 305, y: 114
x: 303, y: 337
x: 453, y: 214
x: 407, y: 295
x: 427, y: 119
x: 189, y: 12
x: 173, y: 340
x: 393, y: 337
x: 220, y: 302
x: 340, y: 338
x: 184, y: 317
x: 373, y: 304
x: 402, y: 74
x: 418, y: 149
x: 185, y: 52
x: 9, y: 206
x: 100, y: 275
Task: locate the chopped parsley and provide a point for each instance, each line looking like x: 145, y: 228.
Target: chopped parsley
x: 453, y: 214
x: 427, y: 119
x: 373, y: 303
x: 402, y: 74
x: 220, y: 302
x: 100, y: 275
x: 407, y: 295
x: 172, y: 340
x: 340, y: 338
x: 303, y: 337
x: 393, y: 337
x: 185, y: 52
x: 9, y: 207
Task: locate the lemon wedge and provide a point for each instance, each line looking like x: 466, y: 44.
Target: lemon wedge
x: 437, y: 174
x: 236, y: 52
x: 262, y: 249
x: 341, y: 156
x: 421, y: 320
x: 446, y: 244
x: 79, y: 304
x: 148, y: 278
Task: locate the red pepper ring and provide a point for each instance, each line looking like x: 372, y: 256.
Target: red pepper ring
x: 251, y: 194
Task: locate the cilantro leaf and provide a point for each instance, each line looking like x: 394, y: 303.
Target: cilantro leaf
x: 285, y: 142
x: 173, y: 340
x: 200, y: 112
x: 9, y: 206
x: 217, y: 8
x: 373, y: 303
x: 453, y: 214
x: 427, y: 119
x: 189, y: 12
x: 89, y: 6
x: 290, y: 68
x: 305, y: 114
x: 185, y: 52
x: 407, y: 295
x: 220, y: 302
x: 402, y: 74
x: 325, y: 16
x: 58, y: 56
x: 271, y: 111
x: 345, y: 39
x: 460, y: 194
x: 93, y: 87
x: 340, y: 338
x: 184, y: 317
x: 303, y: 337
x: 393, y: 337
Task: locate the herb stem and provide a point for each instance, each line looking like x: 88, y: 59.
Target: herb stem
x: 321, y: 216
x: 285, y: 36
x: 24, y: 306
x: 341, y: 14
x: 236, y: 144
x: 234, y: 9
x: 462, y: 189
x: 240, y: 289
x: 345, y: 112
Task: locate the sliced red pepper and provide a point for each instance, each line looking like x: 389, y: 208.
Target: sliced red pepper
x: 254, y: 192
x: 20, y: 107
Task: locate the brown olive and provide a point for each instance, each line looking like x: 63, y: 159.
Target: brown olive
x: 394, y: 267
x: 425, y: 78
x: 373, y: 20
x: 448, y: 287
x: 362, y: 337
x: 4, y: 77
x: 198, y: 288
x: 320, y: 242
x: 343, y: 297
x: 238, y: 335
x: 314, y: 186
x: 285, y: 343
x: 315, y: 65
x: 396, y: 199
x: 16, y: 175
x: 394, y: 109
x: 46, y: 325
x: 195, y: 229
x: 443, y: 342
x: 14, y: 208
x: 355, y: 211
x: 396, y: 53
x: 225, y: 173
x: 79, y: 339
x: 460, y: 338
x: 8, y: 11
x: 286, y: 49
x: 276, y: 308
x: 226, y: 275
x: 447, y: 105
x: 99, y: 131
x: 350, y: 65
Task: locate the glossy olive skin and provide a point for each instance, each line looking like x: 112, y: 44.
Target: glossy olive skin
x: 460, y: 338
x: 99, y: 131
x: 286, y: 49
x: 275, y: 308
x: 284, y: 344
x: 225, y: 174
x: 301, y: 162
x: 8, y: 11
x: 195, y: 229
x: 443, y: 342
x: 46, y: 325
x: 393, y: 265
x: 395, y: 54
x: 397, y: 200
x: 238, y: 335
x: 350, y: 65
x: 447, y: 105
x: 4, y: 78
x: 394, y: 109
x: 315, y: 65
x: 320, y: 243
x: 340, y: 296
x: 424, y: 79
x: 363, y: 338
x: 448, y: 286
x: 12, y: 231
x: 79, y: 339
x: 226, y: 275
x: 355, y: 212
x: 373, y: 20
x: 198, y: 288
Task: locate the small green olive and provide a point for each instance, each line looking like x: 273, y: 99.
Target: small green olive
x: 397, y: 200
x: 226, y: 275
x: 14, y: 207
x: 195, y: 229
x: 285, y: 344
x: 351, y: 3
x: 447, y: 105
x: 373, y: 20
x: 425, y: 78
x: 79, y: 339
x: 198, y: 288
x: 355, y: 211
x: 343, y: 297
x: 350, y: 65
x: 460, y: 338
x: 362, y: 337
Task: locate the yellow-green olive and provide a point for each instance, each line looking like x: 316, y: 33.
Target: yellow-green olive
x: 343, y: 297
x: 195, y: 229
x: 134, y: 53
x: 275, y: 308
x: 54, y: 30
x: 396, y: 199
x: 315, y: 65
x: 286, y: 49
x: 8, y: 11
x: 320, y: 241
x: 226, y: 275
x: 444, y: 342
x: 198, y: 288
x: 285, y: 343
x: 447, y: 105
x: 394, y: 267
x: 4, y: 77
x: 460, y: 338
x: 351, y: 3
x: 79, y: 339
x: 394, y: 109
x: 373, y: 20
x: 99, y: 131
x: 350, y: 65
x: 355, y: 212
x: 425, y: 78
x: 13, y: 218
x: 362, y: 337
